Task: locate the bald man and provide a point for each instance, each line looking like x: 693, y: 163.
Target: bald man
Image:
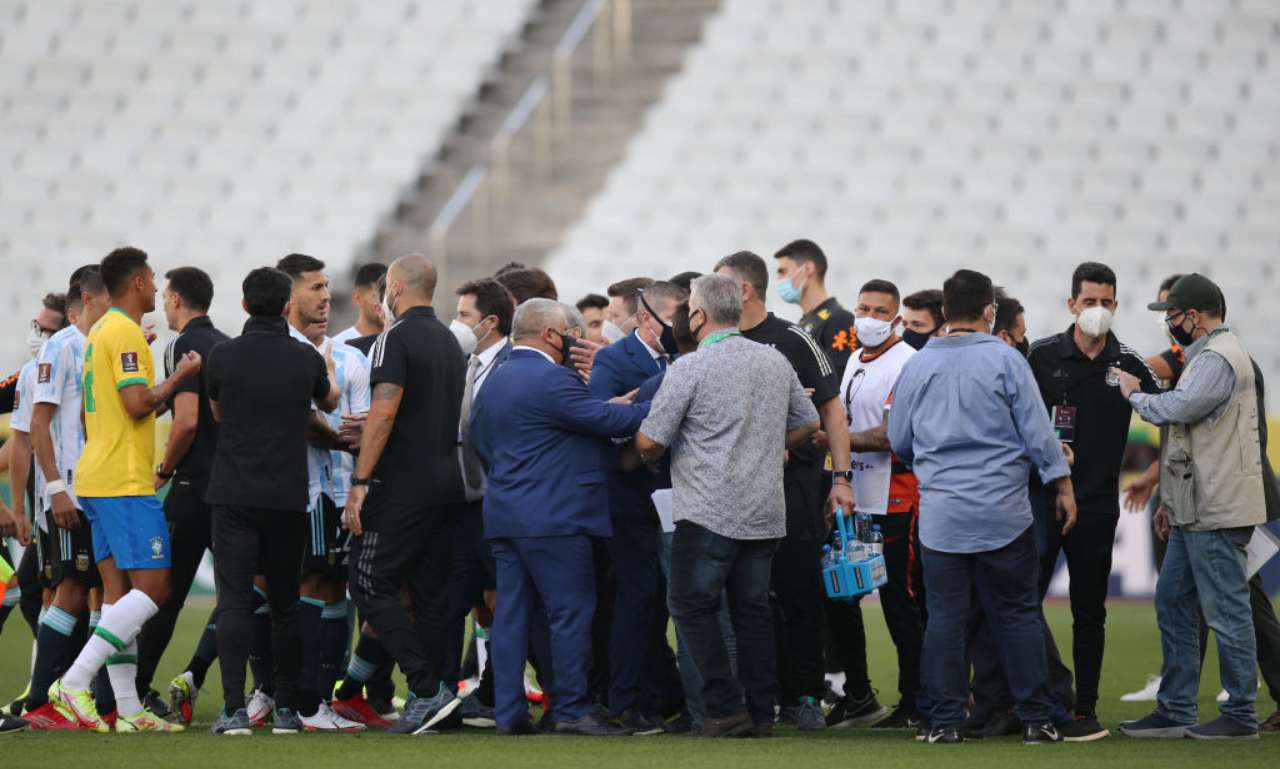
x: 406, y: 477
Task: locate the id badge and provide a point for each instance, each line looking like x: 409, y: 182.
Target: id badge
x: 1064, y: 423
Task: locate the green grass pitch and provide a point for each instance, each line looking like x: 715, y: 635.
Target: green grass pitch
x: 1133, y: 652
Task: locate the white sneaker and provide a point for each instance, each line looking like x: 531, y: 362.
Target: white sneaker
x: 1223, y: 696
x: 1145, y: 694
x: 325, y: 720
x: 260, y: 707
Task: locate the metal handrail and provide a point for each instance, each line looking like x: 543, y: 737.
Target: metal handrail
x: 612, y: 44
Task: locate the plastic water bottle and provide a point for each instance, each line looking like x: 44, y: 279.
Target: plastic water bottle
x: 827, y: 558
x: 877, y: 541
x: 862, y: 527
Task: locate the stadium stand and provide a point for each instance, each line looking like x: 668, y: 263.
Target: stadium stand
x: 912, y: 137
x: 221, y: 133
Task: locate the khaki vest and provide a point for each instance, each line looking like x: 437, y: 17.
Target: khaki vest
x: 1211, y: 471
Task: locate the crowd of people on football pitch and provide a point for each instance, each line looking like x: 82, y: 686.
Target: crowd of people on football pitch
x: 574, y: 476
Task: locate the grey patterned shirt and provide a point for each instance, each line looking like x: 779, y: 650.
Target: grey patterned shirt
x: 724, y: 412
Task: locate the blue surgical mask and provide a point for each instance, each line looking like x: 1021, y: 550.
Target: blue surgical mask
x: 788, y: 291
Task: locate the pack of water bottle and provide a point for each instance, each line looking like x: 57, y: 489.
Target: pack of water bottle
x: 854, y: 564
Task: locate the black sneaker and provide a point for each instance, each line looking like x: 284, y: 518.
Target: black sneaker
x: 637, y: 723
x: 1222, y: 728
x: 681, y: 724
x: 155, y: 704
x: 1153, y: 726
x: 475, y: 714
x: 809, y: 716
x: 849, y: 712
x: 1002, y: 725
x: 902, y: 717
x: 1039, y: 734
x: 1084, y: 728
x: 922, y: 731
x: 10, y: 724
x: 285, y: 721
x: 948, y: 736
x: 591, y: 726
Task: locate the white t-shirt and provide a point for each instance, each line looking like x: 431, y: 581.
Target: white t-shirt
x: 864, y: 392
x: 60, y: 381
x: 21, y: 421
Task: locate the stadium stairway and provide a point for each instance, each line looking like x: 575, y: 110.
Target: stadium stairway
x: 605, y: 115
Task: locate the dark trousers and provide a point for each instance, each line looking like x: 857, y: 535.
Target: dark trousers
x: 703, y: 564
x: 249, y: 541
x: 1003, y: 582
x: 633, y: 649
x: 554, y: 577
x: 991, y: 693
x: 798, y: 594
x: 190, y: 534
x: 906, y: 626
x: 405, y: 545
x: 472, y: 574
x: 1088, y: 549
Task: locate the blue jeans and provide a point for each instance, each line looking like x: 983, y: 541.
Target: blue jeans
x: 1204, y: 571
x: 703, y: 566
x: 1004, y: 583
x: 690, y: 678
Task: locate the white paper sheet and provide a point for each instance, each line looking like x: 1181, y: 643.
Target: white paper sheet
x: 663, y: 501
x: 1262, y: 548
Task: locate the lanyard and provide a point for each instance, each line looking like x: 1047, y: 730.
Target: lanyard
x: 719, y: 336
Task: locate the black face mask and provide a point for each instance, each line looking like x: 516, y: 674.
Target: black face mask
x: 1023, y: 347
x: 1180, y: 335
x: 667, y: 340
x: 916, y: 339
x: 567, y: 343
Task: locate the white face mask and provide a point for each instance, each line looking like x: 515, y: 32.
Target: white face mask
x: 872, y: 332
x: 465, y: 335
x: 35, y: 340
x: 1095, y: 321
x: 611, y: 331
x: 387, y: 312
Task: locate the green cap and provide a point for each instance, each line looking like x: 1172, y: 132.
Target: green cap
x: 1191, y: 292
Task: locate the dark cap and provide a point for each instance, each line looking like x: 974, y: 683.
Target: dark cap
x: 1191, y: 292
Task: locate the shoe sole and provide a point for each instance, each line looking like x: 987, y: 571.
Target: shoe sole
x: 1088, y: 737
x: 440, y: 715
x: 869, y: 718
x: 1166, y: 733
x: 1243, y: 737
x: 479, y: 723
x: 235, y: 733
x: 275, y: 730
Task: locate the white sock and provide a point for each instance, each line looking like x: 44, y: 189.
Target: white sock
x: 122, y: 669
x: 119, y: 627
x: 34, y: 649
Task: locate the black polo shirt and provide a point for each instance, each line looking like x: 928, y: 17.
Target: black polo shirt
x: 197, y: 336
x: 1067, y: 377
x: 264, y: 383
x: 364, y: 343
x: 832, y: 327
x: 419, y: 465
x: 812, y: 366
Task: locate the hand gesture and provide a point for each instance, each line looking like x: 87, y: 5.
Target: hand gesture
x: 625, y: 400
x: 583, y: 355
x: 352, y: 430
x: 1065, y: 507
x: 1138, y: 493
x: 819, y: 440
x: 1160, y: 524
x: 1069, y: 454
x: 189, y: 364
x: 351, y: 513
x: 149, y: 332
x: 1129, y: 383
x: 64, y: 511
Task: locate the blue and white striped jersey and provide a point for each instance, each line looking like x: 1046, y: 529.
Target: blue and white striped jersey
x: 60, y: 381
x: 21, y: 421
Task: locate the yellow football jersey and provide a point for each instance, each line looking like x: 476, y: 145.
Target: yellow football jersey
x: 119, y: 451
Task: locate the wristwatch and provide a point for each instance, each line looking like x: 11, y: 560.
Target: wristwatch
x: 845, y: 474
x: 356, y: 481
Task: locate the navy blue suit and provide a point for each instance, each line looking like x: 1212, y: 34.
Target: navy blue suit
x: 544, y: 438
x: 637, y: 628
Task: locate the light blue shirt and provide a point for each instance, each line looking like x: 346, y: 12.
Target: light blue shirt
x: 968, y: 418
x: 1203, y: 390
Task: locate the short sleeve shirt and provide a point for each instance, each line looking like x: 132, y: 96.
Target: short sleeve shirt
x: 864, y: 392
x: 198, y: 336
x: 264, y: 384
x: 811, y: 365
x: 119, y: 451
x: 419, y: 465
x: 21, y: 421
x: 59, y: 370
x: 724, y: 412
